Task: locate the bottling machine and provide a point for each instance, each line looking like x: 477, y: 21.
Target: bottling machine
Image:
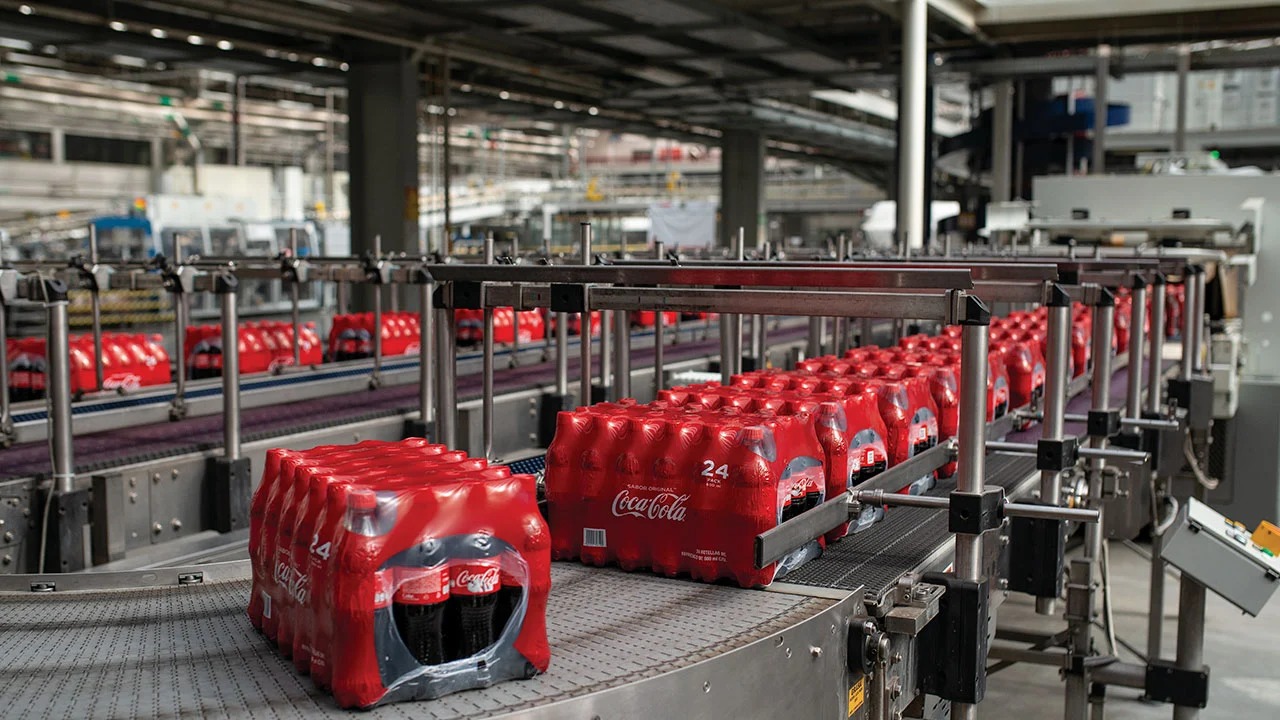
x: 897, y: 620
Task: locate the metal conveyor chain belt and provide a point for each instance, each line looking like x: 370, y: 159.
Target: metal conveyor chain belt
x: 878, y: 556
x: 190, y: 651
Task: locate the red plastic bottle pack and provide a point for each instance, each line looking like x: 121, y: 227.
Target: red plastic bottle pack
x: 412, y: 571
x: 485, y: 531
x: 675, y: 490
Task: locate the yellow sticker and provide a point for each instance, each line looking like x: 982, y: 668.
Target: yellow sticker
x: 857, y: 695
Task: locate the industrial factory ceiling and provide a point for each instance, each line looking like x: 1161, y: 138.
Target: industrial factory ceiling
x: 686, y: 68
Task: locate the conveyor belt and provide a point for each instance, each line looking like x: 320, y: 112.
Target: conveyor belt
x: 149, y: 442
x: 190, y: 651
x: 878, y: 556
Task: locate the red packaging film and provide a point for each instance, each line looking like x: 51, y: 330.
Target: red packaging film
x: 678, y: 490
x: 400, y: 571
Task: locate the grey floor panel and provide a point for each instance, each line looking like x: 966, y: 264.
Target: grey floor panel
x: 190, y: 652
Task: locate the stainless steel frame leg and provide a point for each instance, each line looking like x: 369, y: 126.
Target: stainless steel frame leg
x: 230, y: 369
x: 971, y: 458
x: 446, y: 328
x: 622, y: 353
x: 58, y: 376
x: 1055, y: 402
x: 659, y: 351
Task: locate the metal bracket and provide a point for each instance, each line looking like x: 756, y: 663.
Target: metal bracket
x: 966, y: 309
x: 1103, y: 423
x: 467, y: 295
x: 953, y: 648
x: 915, y: 604
x: 569, y: 298
x: 1168, y: 683
x: 1055, y: 295
x: 976, y: 513
x: 1036, y: 548
x: 224, y: 283
x: 1057, y: 455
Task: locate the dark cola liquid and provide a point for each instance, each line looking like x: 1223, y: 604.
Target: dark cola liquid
x: 422, y: 630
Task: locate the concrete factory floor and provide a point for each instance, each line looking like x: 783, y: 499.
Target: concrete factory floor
x: 1243, y: 654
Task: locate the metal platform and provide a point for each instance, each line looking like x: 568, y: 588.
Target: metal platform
x: 190, y: 651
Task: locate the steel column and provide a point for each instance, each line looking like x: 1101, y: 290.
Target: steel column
x: 584, y: 334
x: 971, y: 458
x: 486, y: 395
x: 1198, y: 323
x: 1180, y: 111
x: 95, y: 308
x: 912, y: 120
x: 6, y: 417
x: 1137, y: 342
x: 1155, y: 356
x: 446, y: 374
x: 294, y: 292
x: 1001, y: 142
x: 426, y: 349
x: 1188, y: 324
x: 622, y: 353
x: 58, y: 376
x: 659, y: 333
x: 1101, y: 79
x: 1190, y: 648
x: 230, y: 372
x: 1057, y: 376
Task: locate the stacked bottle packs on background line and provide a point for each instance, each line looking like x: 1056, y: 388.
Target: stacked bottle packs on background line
x: 682, y: 490
x: 395, y: 571
x: 351, y: 335
x: 129, y: 361
x: 470, y: 325
x: 264, y: 345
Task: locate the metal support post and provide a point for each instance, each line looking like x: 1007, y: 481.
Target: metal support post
x: 971, y: 458
x: 181, y: 305
x: 1155, y: 357
x: 660, y: 333
x: 1081, y: 604
x: 731, y: 325
x: 376, y: 380
x: 1137, y: 342
x: 1101, y: 79
x: 295, y: 314
x: 58, y: 376
x: 1055, y: 402
x: 1190, y: 648
x: 757, y: 341
x: 1154, y: 406
x: 912, y: 120
x: 584, y: 392
x: 1198, y: 324
x: 446, y: 373
x: 1188, y: 323
x: 1001, y: 142
x: 1180, y: 112
x: 95, y: 309
x: 6, y: 416
x: 227, y: 285
x: 230, y: 473
x: 562, y: 354
x: 867, y: 332
x: 814, y: 347
x: 486, y: 395
x: 840, y: 341
x: 426, y: 350
x: 606, y: 353
x: 622, y: 353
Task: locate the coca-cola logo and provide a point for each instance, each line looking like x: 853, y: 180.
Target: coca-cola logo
x: 663, y: 506
x: 122, y: 382
x: 476, y: 583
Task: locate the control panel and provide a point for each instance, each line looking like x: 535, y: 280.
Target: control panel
x: 1222, y: 555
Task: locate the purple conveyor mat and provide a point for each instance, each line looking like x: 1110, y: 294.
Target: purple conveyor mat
x: 114, y: 448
